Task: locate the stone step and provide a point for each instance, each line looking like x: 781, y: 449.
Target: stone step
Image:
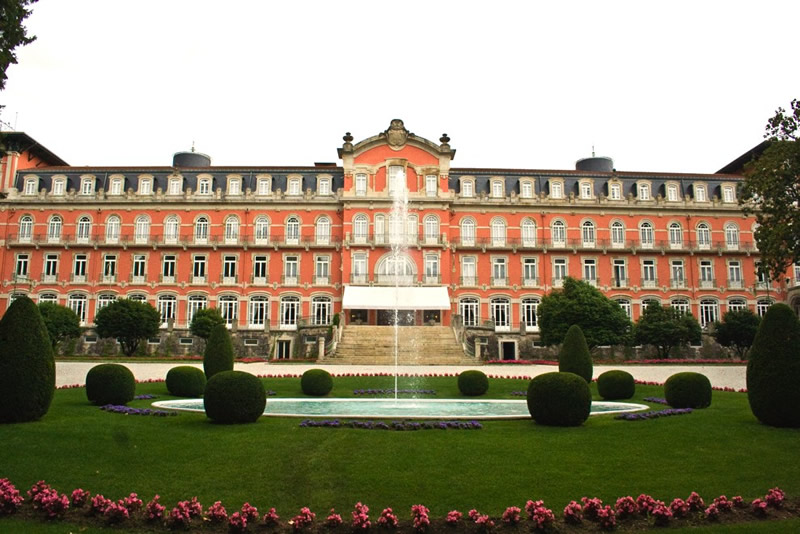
x: 423, y: 345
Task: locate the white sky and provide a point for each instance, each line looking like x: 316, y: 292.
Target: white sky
x: 659, y: 86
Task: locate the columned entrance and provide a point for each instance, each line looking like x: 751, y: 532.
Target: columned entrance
x: 404, y: 317
x: 377, y: 305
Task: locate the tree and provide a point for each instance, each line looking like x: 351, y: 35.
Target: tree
x: 62, y: 323
x: 665, y: 328
x: 129, y: 321
x: 602, y: 320
x: 27, y: 368
x: 574, y: 356
x: 12, y: 33
x: 771, y: 191
x: 218, y: 356
x: 204, y: 321
x: 738, y: 330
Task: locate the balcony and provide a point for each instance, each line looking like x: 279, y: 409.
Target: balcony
x: 76, y: 279
x: 399, y: 279
x: 530, y: 282
x: 168, y: 279
x: 51, y: 278
x: 138, y: 279
x: 432, y: 279
x: 650, y: 283
x: 108, y: 279
x: 469, y: 281
x: 708, y: 284
x: 620, y: 283
x: 358, y: 279
x: 558, y: 282
x: 290, y: 280
x: 322, y: 280
x: 591, y: 281
x: 735, y: 284
x: 259, y: 280
x: 677, y: 283
x: 499, y: 281
x: 199, y: 280
x: 229, y: 280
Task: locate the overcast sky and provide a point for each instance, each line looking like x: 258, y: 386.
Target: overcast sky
x: 659, y: 86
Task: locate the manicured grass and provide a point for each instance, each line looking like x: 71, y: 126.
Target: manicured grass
x: 719, y: 450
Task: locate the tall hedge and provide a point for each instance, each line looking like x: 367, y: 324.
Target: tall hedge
x: 575, y: 356
x: 559, y: 399
x: 218, y: 356
x: 27, y: 368
x: 773, y: 370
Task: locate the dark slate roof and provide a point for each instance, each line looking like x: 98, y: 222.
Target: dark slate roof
x: 21, y: 142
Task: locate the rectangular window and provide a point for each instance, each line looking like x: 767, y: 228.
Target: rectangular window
x: 526, y: 190
x: 672, y: 193
x: 497, y: 189
x: 51, y: 267
x: 559, y: 271
x: 431, y: 269
x: 644, y: 192
x: 204, y: 186
x: 468, y: 271
x: 324, y: 187
x: 30, y: 187
x: 168, y: 269
x: 145, y: 187
x: 259, y: 269
x: 530, y: 273
x: 198, y: 269
x: 397, y: 179
x: 290, y: 269
x: 430, y: 185
x: 734, y: 275
x: 556, y: 190
x: 499, y: 272
x: 590, y: 271
x: 467, y: 189
x: 234, y: 188
x: 677, y: 276
x: 706, y: 274
x: 361, y: 185
x: 116, y: 186
x: 294, y: 187
x: 109, y: 268
x: 79, y: 268
x: 87, y: 187
x: 615, y: 192
x: 175, y: 187
x: 649, y: 273
x: 727, y: 194
x: 263, y: 186
x: 322, y: 270
x: 586, y: 190
x: 229, y: 269
x: 619, y: 272
x: 138, y: 271
x: 359, y: 269
x: 22, y: 266
x: 257, y: 311
x: 699, y: 193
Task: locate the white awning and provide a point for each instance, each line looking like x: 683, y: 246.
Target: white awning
x: 395, y: 298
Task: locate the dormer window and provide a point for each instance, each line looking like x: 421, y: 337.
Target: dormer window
x: 204, y: 186
x: 430, y: 185
x: 526, y: 189
x: 467, y: 188
x: 586, y: 190
x: 497, y: 189
x: 556, y: 190
x: 145, y: 186
x: 700, y: 193
x: 30, y: 186
x: 174, y: 187
x: 728, y: 194
x: 87, y: 186
x: 672, y: 193
x: 644, y: 191
x: 234, y: 186
x: 615, y: 191
x: 293, y: 187
x: 116, y: 186
x: 263, y: 186
x: 361, y: 185
x: 324, y: 186
x: 58, y: 186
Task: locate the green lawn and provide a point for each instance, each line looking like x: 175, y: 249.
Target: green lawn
x: 719, y: 450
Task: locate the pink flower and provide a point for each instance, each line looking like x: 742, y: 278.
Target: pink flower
x: 250, y: 512
x: 10, y: 498
x: 607, y: 518
x: 79, y: 498
x: 453, y: 517
x: 759, y: 507
x: 50, y: 502
x: 775, y: 497
x: 154, y: 511
x: 591, y: 507
x: 626, y: 507
x: 661, y: 513
x: 387, y: 519
x: 420, y: 519
x: 302, y: 520
x: 645, y: 503
x: 99, y: 504
x: 180, y: 516
x: 237, y: 523
x: 116, y: 512
x: 695, y: 502
x: 723, y: 504
x: 712, y: 512
x: 542, y: 517
x: 738, y: 502
x: 573, y: 513
x: 334, y: 520
x: 132, y: 503
x: 38, y: 487
x: 271, y: 518
x: 361, y: 517
x: 511, y: 515
x: 679, y: 508
x: 216, y: 513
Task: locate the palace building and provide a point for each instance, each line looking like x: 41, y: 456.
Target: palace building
x: 280, y: 249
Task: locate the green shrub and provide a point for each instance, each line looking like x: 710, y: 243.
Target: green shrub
x: 574, y: 356
x: 27, y: 368
x: 473, y: 383
x: 186, y: 381
x: 688, y: 390
x: 218, y: 356
x: 110, y: 383
x: 773, y: 369
x: 615, y: 385
x: 316, y: 382
x: 559, y: 399
x: 234, y: 397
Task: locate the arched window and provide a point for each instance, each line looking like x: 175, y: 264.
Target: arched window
x: 103, y: 301
x: 737, y: 304
x: 500, y: 313
x: 675, y: 235
x: 258, y: 311
x: 360, y: 228
x: 617, y: 234
x: 393, y: 270
x: 195, y: 303
x: 84, y: 229
x: 77, y: 303
x: 762, y: 305
x: 498, y: 232
x: 468, y: 231
x: 231, y: 229
x: 229, y: 309
x: 646, y: 234
x: 138, y: 297
x: 625, y: 304
x: 558, y: 232
x: 292, y: 230
x: 167, y: 306
x: 323, y: 231
x: 289, y: 310
x: 709, y: 312
x: 731, y: 236
x: 588, y: 234
x: 201, y: 230
x: 48, y: 297
x: 469, y: 309
x: 680, y: 304
x: 142, y: 229
x: 171, y: 229
x: 528, y: 233
x: 113, y: 225
x: 25, y: 228
x: 54, y: 228
x: 703, y: 236
x: 262, y: 230
x: 321, y: 311
x: 528, y: 309
x: 431, y: 224
x: 379, y: 229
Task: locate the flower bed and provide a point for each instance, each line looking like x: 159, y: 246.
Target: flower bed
x: 391, y: 392
x: 394, y: 425
x: 626, y: 362
x: 653, y: 415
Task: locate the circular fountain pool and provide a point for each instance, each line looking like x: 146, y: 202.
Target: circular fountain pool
x: 405, y: 408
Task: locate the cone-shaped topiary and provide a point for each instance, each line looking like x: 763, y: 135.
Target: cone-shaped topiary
x: 473, y: 383
x: 186, y: 381
x: 218, y: 356
x: 559, y: 399
x: 316, y: 382
x: 27, y: 368
x: 773, y: 371
x: 616, y: 385
x: 575, y: 356
x: 110, y: 383
x: 688, y: 390
x: 234, y: 397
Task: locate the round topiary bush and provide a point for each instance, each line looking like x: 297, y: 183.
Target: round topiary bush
x: 234, y: 397
x: 773, y: 369
x: 316, y: 382
x: 110, y: 383
x: 186, y: 381
x: 559, y: 399
x: 688, y: 390
x: 218, y: 355
x: 473, y: 383
x: 574, y: 356
x: 615, y: 385
x: 27, y: 368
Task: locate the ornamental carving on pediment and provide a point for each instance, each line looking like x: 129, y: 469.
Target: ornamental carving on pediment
x: 396, y: 135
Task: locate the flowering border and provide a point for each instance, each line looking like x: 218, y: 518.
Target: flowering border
x: 393, y: 425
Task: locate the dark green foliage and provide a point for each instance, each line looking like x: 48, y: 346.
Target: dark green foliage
x: 129, y: 321
x: 110, y: 383
x: 559, y: 399
x: 773, y: 369
x: 770, y: 192
x: 27, y: 368
x: 473, y: 383
x: 602, y: 320
x: 61, y: 322
x: 616, y: 385
x: 233, y: 397
x: 316, y: 382
x: 204, y: 321
x: 688, y: 390
x: 12, y: 33
x: 218, y: 356
x: 665, y: 328
x: 738, y: 330
x: 574, y: 356
x: 336, y: 319
x: 186, y: 381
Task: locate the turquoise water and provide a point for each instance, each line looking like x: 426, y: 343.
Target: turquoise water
x: 408, y: 408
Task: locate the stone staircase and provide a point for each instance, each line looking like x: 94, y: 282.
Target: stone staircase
x: 418, y: 345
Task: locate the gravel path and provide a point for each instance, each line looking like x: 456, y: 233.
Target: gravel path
x: 733, y: 376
